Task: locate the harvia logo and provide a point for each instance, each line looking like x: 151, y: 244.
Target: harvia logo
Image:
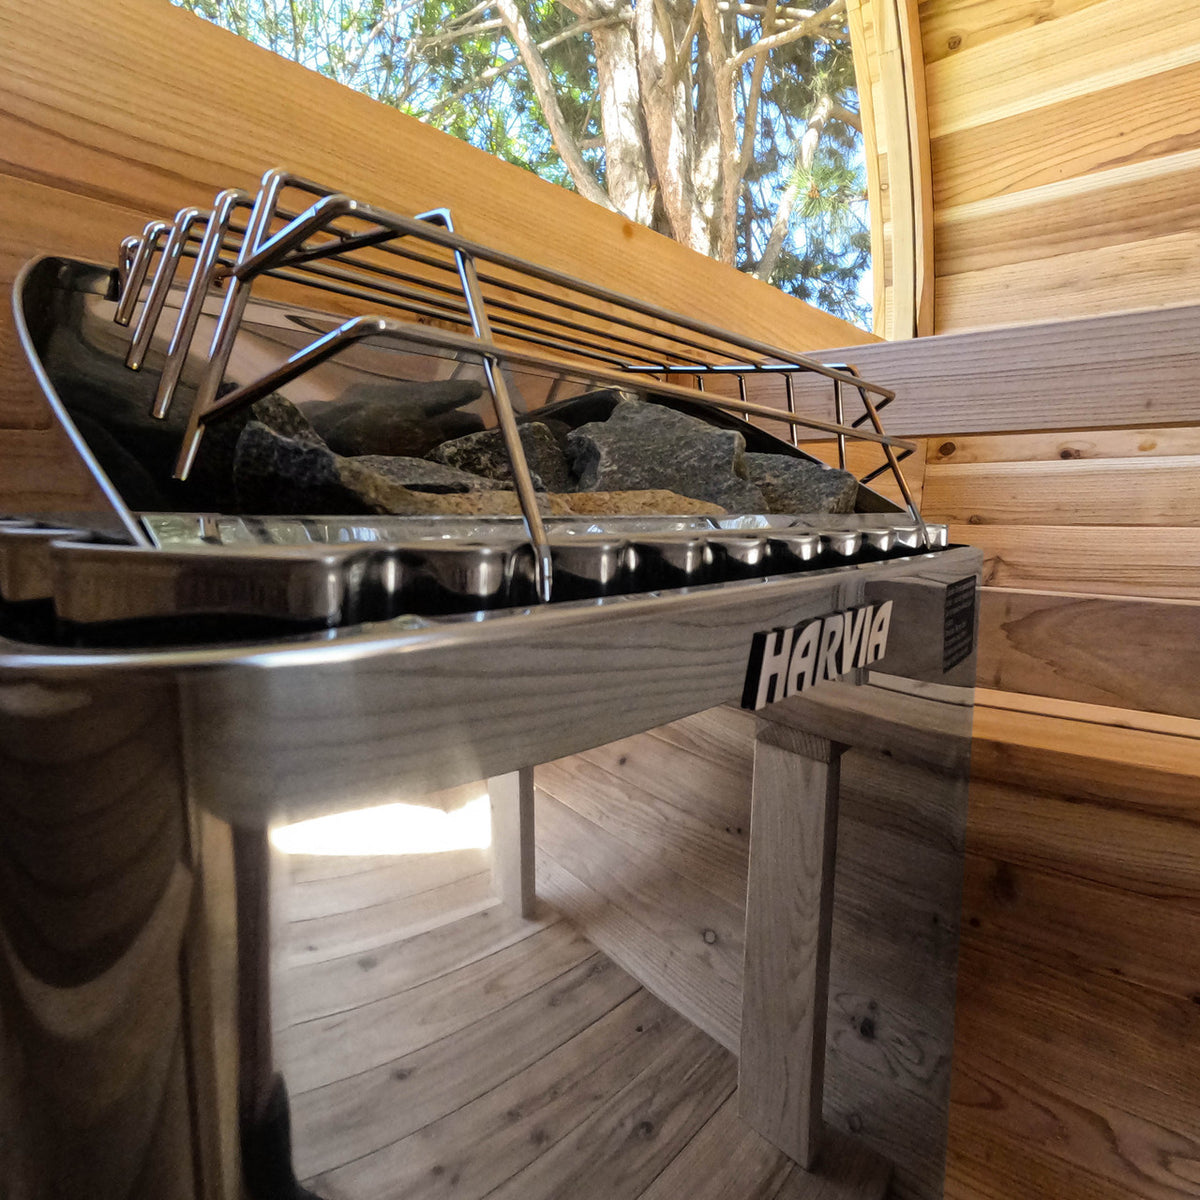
x: 784, y: 662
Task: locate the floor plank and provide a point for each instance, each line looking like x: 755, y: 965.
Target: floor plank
x: 726, y: 1158
x: 621, y: 1148
x: 346, y: 1043
x: 353, y: 1117
x: 481, y: 1145
x: 338, y: 984
x: 483, y: 1055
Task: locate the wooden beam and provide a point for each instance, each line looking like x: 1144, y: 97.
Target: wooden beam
x: 1136, y: 369
x: 513, y: 865
x: 789, y: 917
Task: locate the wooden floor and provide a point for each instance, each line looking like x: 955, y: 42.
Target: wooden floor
x: 437, y: 1046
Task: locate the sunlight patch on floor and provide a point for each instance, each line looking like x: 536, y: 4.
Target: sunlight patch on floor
x: 390, y: 829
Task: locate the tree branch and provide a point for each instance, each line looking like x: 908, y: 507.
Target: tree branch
x: 803, y: 29
x: 543, y: 87
x: 457, y: 34
x: 750, y: 109
x: 787, y: 201
x: 847, y: 116
x: 494, y: 73
x: 471, y: 13
x: 783, y: 16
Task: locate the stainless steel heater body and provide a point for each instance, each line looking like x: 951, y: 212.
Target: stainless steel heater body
x: 174, y: 682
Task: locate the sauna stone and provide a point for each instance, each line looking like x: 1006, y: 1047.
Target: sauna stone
x: 649, y: 446
x: 280, y: 475
x: 794, y: 485
x: 425, y: 476
x: 400, y: 419
x: 485, y: 454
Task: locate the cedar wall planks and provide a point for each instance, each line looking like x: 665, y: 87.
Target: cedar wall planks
x: 1065, y: 139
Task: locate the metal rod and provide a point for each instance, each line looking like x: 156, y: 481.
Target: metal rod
x: 154, y: 232
x: 502, y: 403
x: 168, y: 264
x: 790, y: 400
x: 839, y: 415
x: 894, y: 463
x: 335, y: 206
x: 198, y: 289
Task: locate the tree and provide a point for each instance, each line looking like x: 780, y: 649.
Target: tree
x: 731, y: 127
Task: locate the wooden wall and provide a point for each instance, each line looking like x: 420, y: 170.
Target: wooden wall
x: 1065, y: 143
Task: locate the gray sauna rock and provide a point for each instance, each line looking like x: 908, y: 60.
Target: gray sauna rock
x: 396, y: 419
x: 422, y: 475
x: 648, y: 446
x: 795, y: 485
x: 275, y: 474
x: 484, y: 454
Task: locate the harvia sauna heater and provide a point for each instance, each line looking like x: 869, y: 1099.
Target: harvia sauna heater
x: 422, y: 533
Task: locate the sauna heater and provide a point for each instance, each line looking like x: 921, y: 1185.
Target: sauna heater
x: 215, y: 649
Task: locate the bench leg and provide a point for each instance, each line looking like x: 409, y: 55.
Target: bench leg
x: 789, y: 912
x: 512, y: 840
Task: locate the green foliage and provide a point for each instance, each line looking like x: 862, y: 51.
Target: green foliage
x: 449, y: 63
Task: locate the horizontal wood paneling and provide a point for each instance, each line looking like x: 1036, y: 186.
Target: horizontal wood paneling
x: 1064, y: 136
x: 950, y: 26
x: 1135, y: 653
x: 1159, y: 272
x: 1132, y: 369
x: 1097, y: 46
x: 1046, y: 447
x: 1074, y: 1051
x: 1132, y: 203
x: 1104, y: 560
x: 1119, y: 491
x: 1079, y: 136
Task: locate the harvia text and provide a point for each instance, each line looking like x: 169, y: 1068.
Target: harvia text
x: 784, y: 662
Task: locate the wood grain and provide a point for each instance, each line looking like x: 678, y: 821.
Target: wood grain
x: 353, y: 1117
x: 478, y: 1146
x: 948, y: 26
x: 1126, y: 203
x: 1078, y: 137
x: 789, y: 916
x: 711, y: 858
x: 684, y: 941
x: 380, y: 1031
x: 1132, y: 369
x: 1142, y: 654
x: 1100, y: 45
x: 1111, y: 492
x: 352, y: 980
x: 1048, y: 446
x: 1088, y: 559
x: 1127, y: 277
x: 619, y: 1157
